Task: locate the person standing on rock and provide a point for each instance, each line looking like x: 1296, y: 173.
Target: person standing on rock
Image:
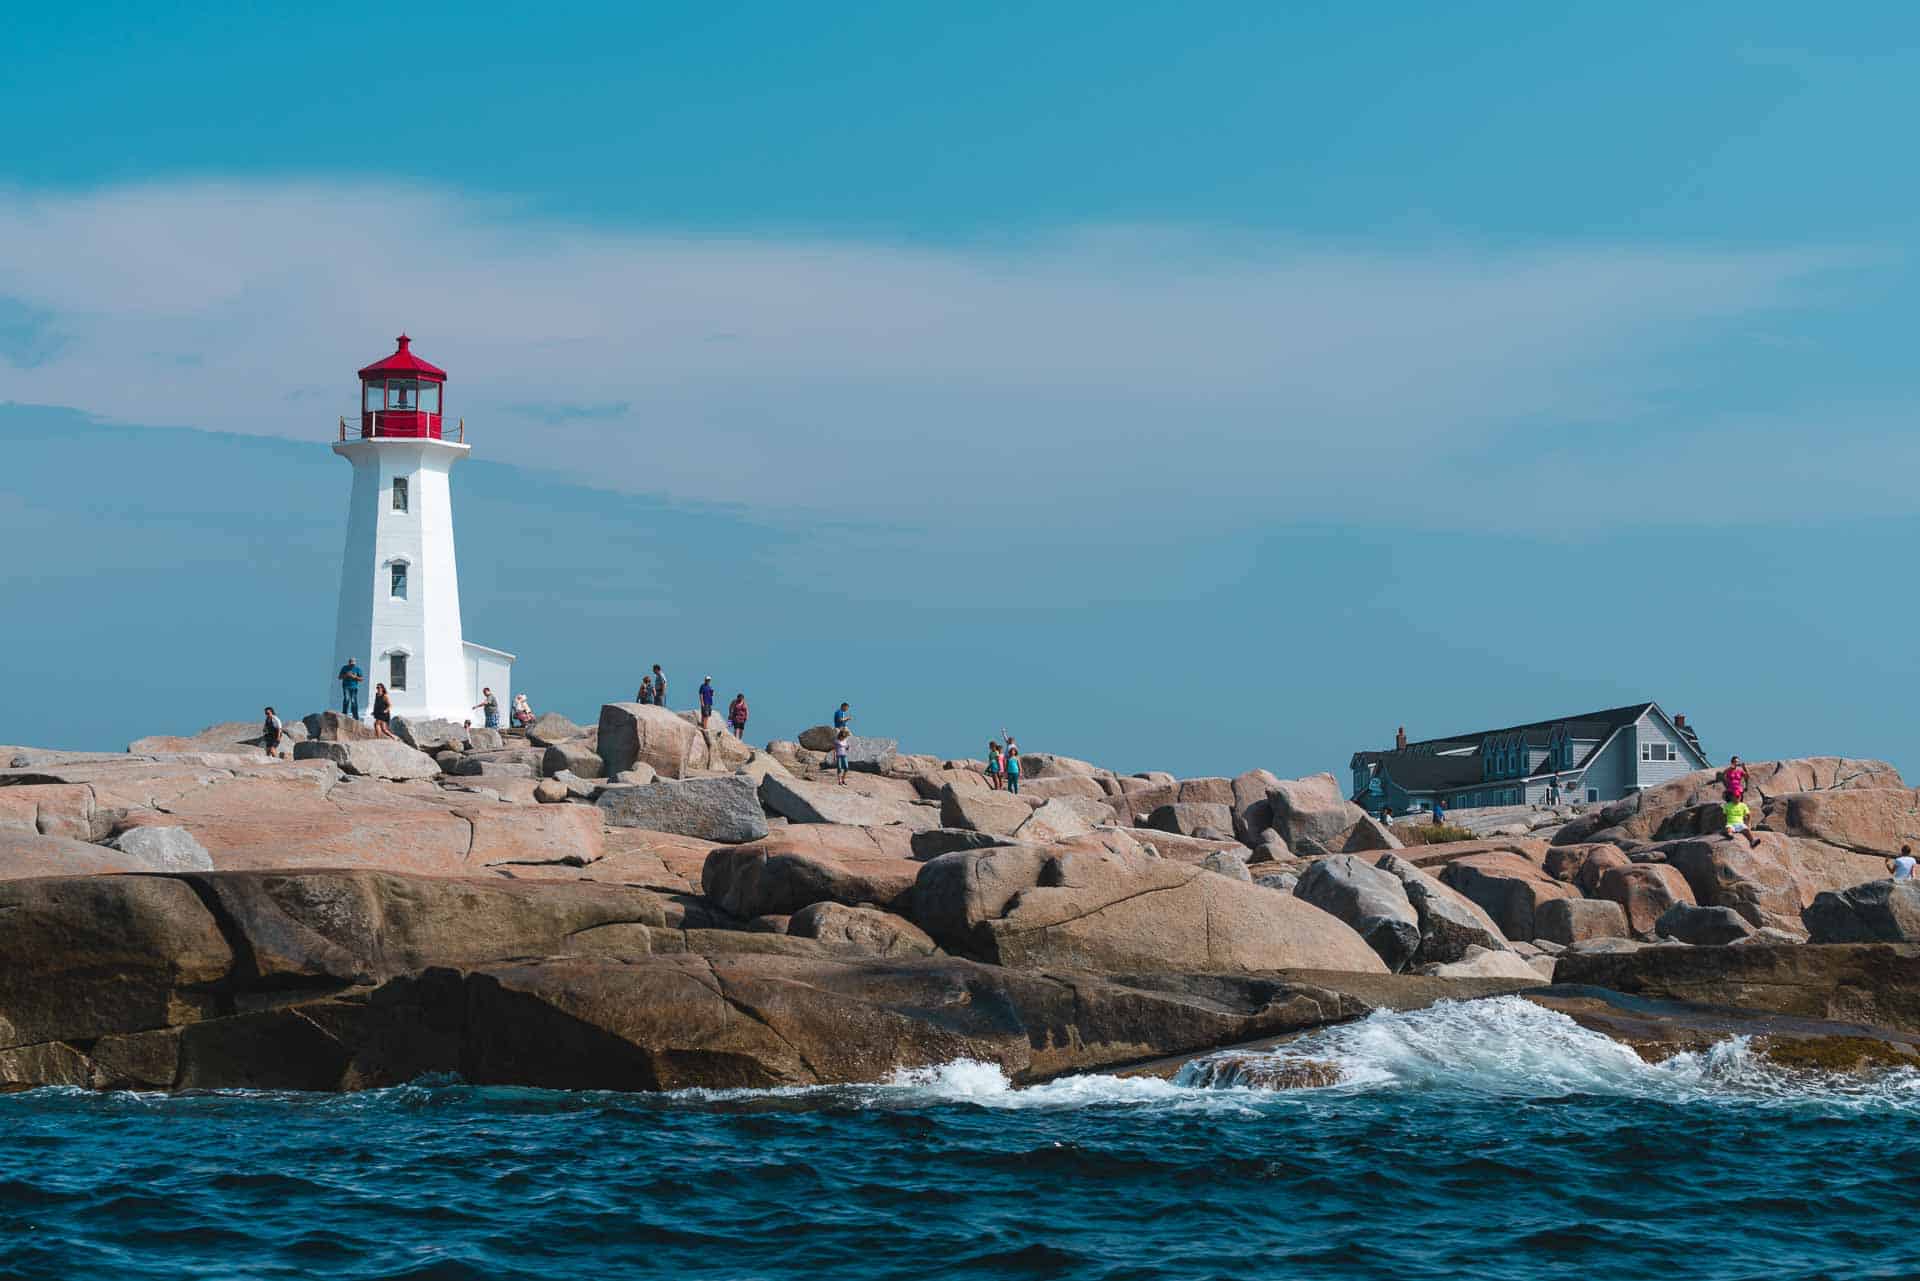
x: 1013, y: 766
x: 843, y: 718
x: 996, y: 765
x: 382, y: 712
x: 659, y: 686
x: 645, y: 697
x: 491, y: 706
x: 737, y: 715
x: 1734, y: 779
x: 706, y: 700
x: 350, y: 677
x: 841, y: 742
x: 1902, y: 867
x: 270, y: 731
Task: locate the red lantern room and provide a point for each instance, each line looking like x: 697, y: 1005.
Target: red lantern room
x: 401, y: 395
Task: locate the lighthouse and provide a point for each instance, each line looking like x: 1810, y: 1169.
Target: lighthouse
x: 399, y: 580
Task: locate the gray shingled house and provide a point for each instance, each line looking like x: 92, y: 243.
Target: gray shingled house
x: 1595, y: 756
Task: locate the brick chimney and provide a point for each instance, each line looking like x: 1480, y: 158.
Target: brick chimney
x: 1680, y: 721
x: 1400, y: 739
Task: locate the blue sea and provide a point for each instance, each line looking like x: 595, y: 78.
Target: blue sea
x: 1491, y: 1139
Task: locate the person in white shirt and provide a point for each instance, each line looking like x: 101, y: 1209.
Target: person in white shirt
x: 1902, y: 867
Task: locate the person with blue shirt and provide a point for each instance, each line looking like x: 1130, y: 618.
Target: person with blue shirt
x: 350, y: 677
x: 706, y: 700
x: 1439, y: 811
x: 843, y: 719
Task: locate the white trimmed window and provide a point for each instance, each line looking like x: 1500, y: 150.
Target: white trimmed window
x: 400, y: 493
x: 1658, y: 752
x: 396, y: 672
x: 399, y: 582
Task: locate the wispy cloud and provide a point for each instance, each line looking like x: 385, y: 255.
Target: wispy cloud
x: 1093, y: 374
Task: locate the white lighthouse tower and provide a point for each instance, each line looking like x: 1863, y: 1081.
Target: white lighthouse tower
x: 399, y: 583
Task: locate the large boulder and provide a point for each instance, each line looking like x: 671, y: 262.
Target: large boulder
x: 863, y: 929
x: 1063, y: 818
x: 1864, y: 820
x: 550, y: 728
x: 817, y: 738
x: 1111, y: 912
x: 29, y: 854
x: 641, y: 732
x: 336, y: 728
x: 796, y: 867
x: 874, y: 755
x: 1576, y: 920
x: 1644, y: 892
x: 164, y: 849
x: 1450, y: 922
x: 1762, y: 882
x: 54, y: 809
x: 1252, y: 810
x: 1314, y: 810
x: 1583, y: 865
x: 387, y: 758
x: 1053, y: 765
x: 1485, y: 963
x: 1191, y: 818
x: 1369, y: 835
x: 995, y: 812
x: 430, y: 734
x: 575, y: 758
x: 725, y: 809
x: 1370, y: 899
x: 803, y: 802
x: 1877, y: 984
x: 1877, y: 912
x: 1508, y: 887
x: 1703, y: 926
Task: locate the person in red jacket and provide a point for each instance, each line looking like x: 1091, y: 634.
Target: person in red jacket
x: 737, y: 715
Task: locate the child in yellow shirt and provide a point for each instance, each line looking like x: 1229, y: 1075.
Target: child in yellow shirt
x: 1736, y: 813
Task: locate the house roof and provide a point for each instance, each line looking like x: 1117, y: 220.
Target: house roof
x: 1420, y: 766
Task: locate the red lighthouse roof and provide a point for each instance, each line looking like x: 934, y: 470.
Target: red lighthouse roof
x: 405, y: 364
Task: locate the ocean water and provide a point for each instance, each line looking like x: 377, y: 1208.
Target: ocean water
x: 1490, y: 1139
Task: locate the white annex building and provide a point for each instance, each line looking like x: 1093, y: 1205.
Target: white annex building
x: 399, y: 582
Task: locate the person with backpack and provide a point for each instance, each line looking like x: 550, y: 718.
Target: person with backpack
x: 737, y: 715
x: 382, y: 712
x: 841, y: 742
x: 996, y: 765
x: 270, y: 733
x: 1013, y: 767
x: 706, y: 700
x: 645, y: 696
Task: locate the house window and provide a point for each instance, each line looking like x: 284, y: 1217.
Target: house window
x: 1656, y: 752
x: 400, y: 580
x: 399, y: 493
x: 396, y: 672
x: 1593, y: 795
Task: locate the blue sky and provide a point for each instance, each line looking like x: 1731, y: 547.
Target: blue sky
x: 1215, y: 387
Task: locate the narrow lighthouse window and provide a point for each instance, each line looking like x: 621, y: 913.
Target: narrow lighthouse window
x: 396, y: 671
x: 399, y: 493
x: 400, y: 580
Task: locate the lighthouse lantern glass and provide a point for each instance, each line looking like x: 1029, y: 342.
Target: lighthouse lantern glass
x: 374, y: 399
x: 429, y: 398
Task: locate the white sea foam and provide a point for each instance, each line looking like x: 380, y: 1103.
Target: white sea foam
x: 1511, y: 1048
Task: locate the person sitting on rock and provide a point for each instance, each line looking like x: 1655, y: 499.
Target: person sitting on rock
x: 645, y: 696
x: 1902, y: 867
x: 996, y: 765
x: 841, y: 744
x: 1736, y: 814
x: 522, y: 711
x: 382, y: 712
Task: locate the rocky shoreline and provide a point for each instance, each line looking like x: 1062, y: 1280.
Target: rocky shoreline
x: 648, y: 905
